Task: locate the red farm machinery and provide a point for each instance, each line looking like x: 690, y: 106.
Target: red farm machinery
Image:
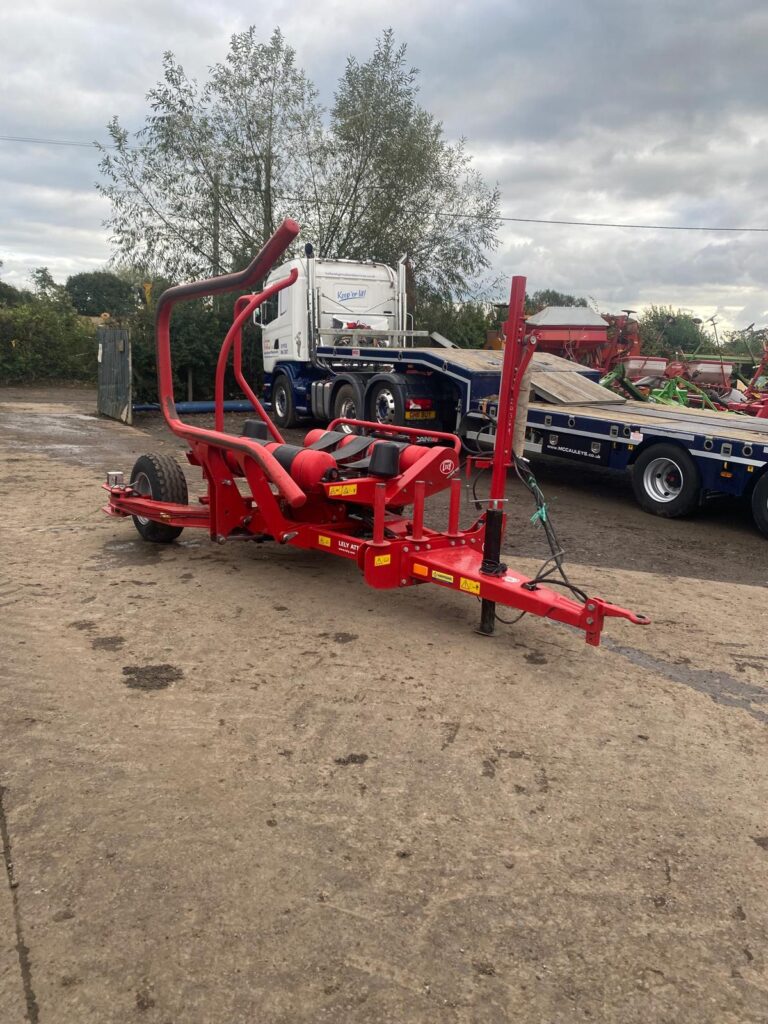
x: 344, y: 492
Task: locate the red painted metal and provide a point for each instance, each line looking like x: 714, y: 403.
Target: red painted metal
x: 517, y: 355
x: 321, y: 503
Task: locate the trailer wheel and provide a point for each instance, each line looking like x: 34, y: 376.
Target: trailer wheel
x: 386, y: 403
x: 159, y: 477
x: 665, y: 481
x: 345, y: 404
x: 283, y: 410
x: 760, y: 504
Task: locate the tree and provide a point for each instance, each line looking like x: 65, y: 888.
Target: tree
x: 465, y: 323
x: 10, y: 296
x: 549, y: 297
x: 216, y: 167
x: 44, y: 285
x: 101, y: 292
x: 41, y: 335
x: 387, y: 182
x: 664, y: 331
x: 204, y: 182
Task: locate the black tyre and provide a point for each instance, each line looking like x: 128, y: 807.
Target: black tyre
x: 283, y: 409
x: 760, y: 504
x: 346, y: 404
x: 159, y: 477
x: 385, y: 402
x: 665, y: 481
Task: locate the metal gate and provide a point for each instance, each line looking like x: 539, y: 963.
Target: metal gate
x: 114, y: 390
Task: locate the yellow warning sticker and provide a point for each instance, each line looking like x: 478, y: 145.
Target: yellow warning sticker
x: 381, y: 560
x: 444, y: 577
x: 420, y: 570
x: 471, y: 586
x: 342, y: 490
x: 324, y: 541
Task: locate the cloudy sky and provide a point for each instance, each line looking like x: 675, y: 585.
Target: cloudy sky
x: 649, y: 112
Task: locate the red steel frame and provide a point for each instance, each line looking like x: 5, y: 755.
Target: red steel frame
x: 360, y: 517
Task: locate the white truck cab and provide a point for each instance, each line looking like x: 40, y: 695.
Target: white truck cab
x: 329, y: 300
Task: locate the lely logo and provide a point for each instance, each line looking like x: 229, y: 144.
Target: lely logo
x: 446, y: 467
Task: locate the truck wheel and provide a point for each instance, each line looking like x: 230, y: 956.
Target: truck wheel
x: 345, y: 404
x: 386, y: 403
x: 760, y: 504
x: 665, y: 481
x: 159, y: 477
x: 283, y: 411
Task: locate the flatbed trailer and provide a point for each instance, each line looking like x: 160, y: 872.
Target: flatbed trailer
x: 679, y: 458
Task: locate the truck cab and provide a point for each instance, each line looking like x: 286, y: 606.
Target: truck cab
x: 329, y: 300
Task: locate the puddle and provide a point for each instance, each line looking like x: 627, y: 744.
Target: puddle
x: 720, y: 686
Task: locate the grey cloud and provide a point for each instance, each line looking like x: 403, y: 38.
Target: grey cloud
x: 582, y: 109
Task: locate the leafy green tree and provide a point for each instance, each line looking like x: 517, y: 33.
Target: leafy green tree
x: 465, y: 323
x: 549, y: 297
x: 100, y: 292
x: 46, y: 289
x: 664, y: 331
x: 43, y: 338
x: 211, y: 173
x: 217, y: 166
x: 387, y: 182
x: 11, y: 296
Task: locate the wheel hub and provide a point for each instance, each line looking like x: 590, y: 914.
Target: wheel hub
x: 142, y: 486
x: 663, y: 480
x: 385, y: 406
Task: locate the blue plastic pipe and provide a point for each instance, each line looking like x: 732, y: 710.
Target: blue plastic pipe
x: 193, y: 407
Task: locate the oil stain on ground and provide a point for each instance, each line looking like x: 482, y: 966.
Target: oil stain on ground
x: 107, y: 643
x: 151, y: 677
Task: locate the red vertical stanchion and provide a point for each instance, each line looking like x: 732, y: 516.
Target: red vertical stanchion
x: 417, y: 527
x: 454, y: 507
x: 379, y: 508
x: 514, y: 363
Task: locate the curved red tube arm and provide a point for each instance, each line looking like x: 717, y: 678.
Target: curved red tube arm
x: 244, y: 306
x: 255, y: 271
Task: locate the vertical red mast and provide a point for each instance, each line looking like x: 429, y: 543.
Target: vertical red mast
x: 517, y: 354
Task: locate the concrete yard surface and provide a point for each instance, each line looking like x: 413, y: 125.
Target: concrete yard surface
x: 240, y: 786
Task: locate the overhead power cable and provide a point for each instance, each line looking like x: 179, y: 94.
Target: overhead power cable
x: 609, y: 224
x: 454, y: 216
x: 50, y: 142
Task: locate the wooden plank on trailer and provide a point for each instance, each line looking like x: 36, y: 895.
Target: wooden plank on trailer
x: 563, y: 388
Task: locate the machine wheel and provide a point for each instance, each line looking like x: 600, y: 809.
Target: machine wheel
x: 760, y: 504
x: 159, y: 477
x: 283, y: 411
x: 665, y: 481
x: 345, y: 403
x: 386, y: 403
